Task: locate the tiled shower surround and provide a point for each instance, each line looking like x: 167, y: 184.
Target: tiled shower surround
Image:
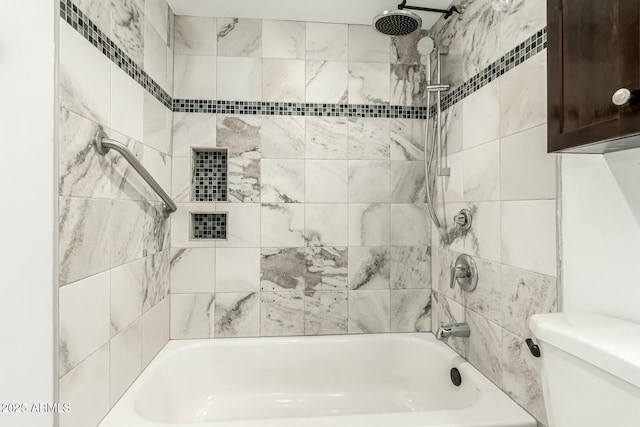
x: 496, y: 145
x: 113, y: 239
x: 328, y: 230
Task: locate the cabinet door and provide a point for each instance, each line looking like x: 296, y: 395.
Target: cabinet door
x: 593, y: 50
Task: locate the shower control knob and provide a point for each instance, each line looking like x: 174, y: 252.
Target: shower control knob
x: 463, y: 219
x: 621, y: 97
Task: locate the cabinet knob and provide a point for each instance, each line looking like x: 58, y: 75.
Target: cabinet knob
x: 621, y: 96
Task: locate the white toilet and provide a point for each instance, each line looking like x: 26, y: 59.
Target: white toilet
x: 591, y: 369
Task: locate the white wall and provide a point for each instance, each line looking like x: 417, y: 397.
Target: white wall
x: 601, y: 233
x: 27, y: 183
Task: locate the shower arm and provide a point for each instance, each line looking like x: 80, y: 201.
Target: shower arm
x: 447, y: 12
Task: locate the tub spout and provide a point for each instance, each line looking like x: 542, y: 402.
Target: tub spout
x: 454, y: 330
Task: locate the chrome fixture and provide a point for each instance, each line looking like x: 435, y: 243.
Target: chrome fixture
x: 104, y: 144
x: 624, y: 95
x: 463, y: 219
x: 437, y: 149
x: 454, y: 330
x: 465, y: 273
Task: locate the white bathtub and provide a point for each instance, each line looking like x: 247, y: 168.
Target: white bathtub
x: 389, y: 380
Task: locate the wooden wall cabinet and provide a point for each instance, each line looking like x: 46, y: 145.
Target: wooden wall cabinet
x: 593, y: 51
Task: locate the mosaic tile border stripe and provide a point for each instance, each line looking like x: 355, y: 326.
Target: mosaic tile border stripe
x: 516, y: 56
x: 297, y: 109
x: 83, y: 25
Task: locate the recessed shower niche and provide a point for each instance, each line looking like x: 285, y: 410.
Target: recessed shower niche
x: 209, y: 184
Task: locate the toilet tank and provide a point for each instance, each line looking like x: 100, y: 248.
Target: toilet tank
x: 590, y: 369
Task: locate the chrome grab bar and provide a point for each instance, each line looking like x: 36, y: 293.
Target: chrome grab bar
x: 104, y: 144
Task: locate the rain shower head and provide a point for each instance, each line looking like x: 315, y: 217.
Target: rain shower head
x: 401, y: 23
x: 397, y: 22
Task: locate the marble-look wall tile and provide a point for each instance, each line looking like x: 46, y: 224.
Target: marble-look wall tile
x: 484, y: 346
x: 282, y: 225
x: 368, y: 83
x: 325, y: 313
x: 410, y: 49
x: 283, y: 80
x: 283, y: 137
x: 410, y: 267
x: 410, y: 225
x: 87, y: 388
x: 195, y: 35
x: 195, y: 77
x: 192, y: 270
x: 525, y: 294
x: 156, y: 279
x: 453, y: 129
x: 527, y: 171
x: 326, y: 180
x: 327, y: 81
x: 239, y: 79
x: 181, y: 179
x: 243, y: 225
x: 127, y: 104
x: 451, y: 188
x: 193, y: 129
x: 408, y: 84
x: 282, y: 313
x: 240, y: 134
x: 237, y: 270
x: 159, y: 166
x: 82, y: 171
x: 327, y: 268
x: 282, y: 181
x: 479, y: 28
x: 523, y: 106
x: 487, y: 298
x: 407, y: 139
x: 237, y: 315
x: 157, y: 229
x: 327, y: 41
x: 127, y: 28
x: 282, y: 269
x: 240, y: 37
x: 411, y: 310
x: 369, y: 224
x: 125, y: 360
x: 326, y: 138
x: 482, y: 172
x: 369, y: 268
x: 522, y: 375
x: 126, y: 295
x: 521, y: 20
x: 155, y: 56
x: 99, y: 11
x: 408, y: 182
x: 127, y: 230
x: 84, y: 320
x: 367, y: 45
x: 326, y: 224
x: 155, y: 330
x: 368, y: 139
x: 244, y: 180
x: 283, y: 39
x: 157, y: 123
x: 369, y: 181
x: 85, y: 78
x: 369, y: 312
x: 84, y: 240
x: 192, y: 316
x: 529, y: 235
x: 481, y: 112
x: 157, y: 13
